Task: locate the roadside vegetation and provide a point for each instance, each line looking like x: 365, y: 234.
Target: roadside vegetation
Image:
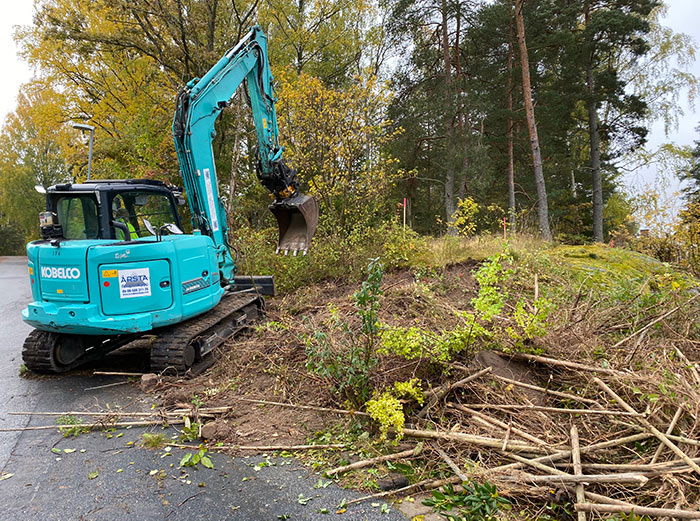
x: 394, y: 337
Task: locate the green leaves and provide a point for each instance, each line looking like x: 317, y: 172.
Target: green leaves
x: 192, y: 459
x: 477, y: 502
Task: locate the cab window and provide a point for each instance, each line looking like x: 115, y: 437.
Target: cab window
x: 78, y: 217
x: 131, y: 208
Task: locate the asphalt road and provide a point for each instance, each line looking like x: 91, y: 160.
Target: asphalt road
x: 108, y: 475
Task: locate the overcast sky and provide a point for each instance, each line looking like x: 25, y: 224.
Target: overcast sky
x: 683, y: 16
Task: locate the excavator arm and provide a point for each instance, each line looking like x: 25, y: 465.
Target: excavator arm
x: 198, y: 106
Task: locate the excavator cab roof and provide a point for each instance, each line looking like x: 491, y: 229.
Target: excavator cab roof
x: 121, y: 209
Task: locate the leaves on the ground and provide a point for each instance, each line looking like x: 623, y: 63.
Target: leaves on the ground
x: 302, y: 500
x: 93, y: 474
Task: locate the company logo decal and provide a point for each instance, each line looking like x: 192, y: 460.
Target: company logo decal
x: 52, y: 272
x: 134, y: 283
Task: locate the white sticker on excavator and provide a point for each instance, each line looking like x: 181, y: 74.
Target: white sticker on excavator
x: 135, y: 283
x: 210, y: 199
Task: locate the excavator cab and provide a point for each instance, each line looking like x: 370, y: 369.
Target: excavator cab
x: 297, y: 218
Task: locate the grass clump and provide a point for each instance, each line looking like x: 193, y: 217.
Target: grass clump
x: 154, y: 441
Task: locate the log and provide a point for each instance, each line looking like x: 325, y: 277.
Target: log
x: 479, y: 441
x: 568, y: 365
x: 493, y: 421
x: 640, y: 511
x: 576, y: 459
x: 669, y: 430
x: 379, y: 459
x: 560, y: 394
x: 520, y: 407
x: 656, y: 432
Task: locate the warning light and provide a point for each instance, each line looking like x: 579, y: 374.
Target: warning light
x: 106, y: 283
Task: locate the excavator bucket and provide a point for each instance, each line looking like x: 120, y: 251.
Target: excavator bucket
x: 297, y: 218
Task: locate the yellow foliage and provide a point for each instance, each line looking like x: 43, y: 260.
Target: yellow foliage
x: 335, y: 139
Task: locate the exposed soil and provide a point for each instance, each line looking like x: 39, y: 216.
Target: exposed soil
x: 270, y: 363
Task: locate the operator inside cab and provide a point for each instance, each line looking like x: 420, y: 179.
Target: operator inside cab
x: 121, y: 214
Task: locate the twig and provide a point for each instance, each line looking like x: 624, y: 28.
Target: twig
x: 426, y: 484
x: 307, y: 407
x: 640, y: 511
x: 690, y: 365
x: 653, y: 322
x: 452, y: 465
x: 590, y: 495
x: 656, y: 432
x: 584, y: 450
x: 260, y: 447
x: 83, y: 413
x: 91, y: 426
x: 106, y: 385
x: 567, y: 364
x: 365, y: 463
x: 550, y: 409
x: 669, y: 430
x: 116, y: 373
x: 507, y: 437
x: 628, y: 477
x: 576, y: 459
x: 479, y: 441
x: 437, y: 394
x: 191, y: 497
x: 494, y: 421
x: 560, y: 394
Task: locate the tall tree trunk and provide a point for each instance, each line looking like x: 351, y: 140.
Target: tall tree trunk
x: 449, y: 124
x: 594, y: 144
x: 509, y: 137
x: 542, y: 209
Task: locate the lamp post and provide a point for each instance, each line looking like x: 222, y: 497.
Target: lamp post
x: 81, y: 126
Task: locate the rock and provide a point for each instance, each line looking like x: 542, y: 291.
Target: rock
x: 210, y: 430
x: 393, y: 481
x: 149, y: 382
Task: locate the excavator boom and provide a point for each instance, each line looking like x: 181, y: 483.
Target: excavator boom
x: 198, y: 106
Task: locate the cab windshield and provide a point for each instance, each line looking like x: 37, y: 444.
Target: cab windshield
x: 78, y: 216
x: 132, y: 208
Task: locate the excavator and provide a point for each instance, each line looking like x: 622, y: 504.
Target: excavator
x: 113, y: 264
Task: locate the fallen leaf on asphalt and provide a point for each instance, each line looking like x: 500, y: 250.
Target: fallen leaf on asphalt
x: 55, y: 450
x: 93, y: 475
x: 6, y: 476
x: 69, y: 451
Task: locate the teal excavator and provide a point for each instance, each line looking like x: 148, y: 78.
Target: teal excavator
x: 113, y: 263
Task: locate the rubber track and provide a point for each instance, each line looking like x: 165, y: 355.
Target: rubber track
x: 168, y: 349
x: 37, y: 352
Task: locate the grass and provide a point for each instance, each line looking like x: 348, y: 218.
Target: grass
x: 154, y: 441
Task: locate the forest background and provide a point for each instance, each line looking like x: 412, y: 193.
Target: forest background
x: 379, y: 100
